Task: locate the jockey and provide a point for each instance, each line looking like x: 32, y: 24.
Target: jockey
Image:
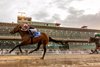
x: 31, y: 30
x: 97, y: 35
x: 25, y: 27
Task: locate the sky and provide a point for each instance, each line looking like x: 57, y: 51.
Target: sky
x: 69, y: 13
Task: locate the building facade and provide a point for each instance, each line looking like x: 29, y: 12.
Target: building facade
x: 53, y: 30
x: 61, y: 33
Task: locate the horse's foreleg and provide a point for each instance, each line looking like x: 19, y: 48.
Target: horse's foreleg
x: 44, y: 47
x: 20, y: 49
x: 92, y: 51
x: 96, y: 51
x: 38, y: 46
x: 14, y: 48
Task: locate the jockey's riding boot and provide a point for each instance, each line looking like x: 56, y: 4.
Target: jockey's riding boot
x: 31, y: 34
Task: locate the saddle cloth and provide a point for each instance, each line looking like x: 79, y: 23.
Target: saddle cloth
x: 36, y: 34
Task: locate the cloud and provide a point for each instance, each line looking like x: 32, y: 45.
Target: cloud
x: 77, y: 18
x: 63, y: 4
x: 54, y: 18
x: 9, y: 10
x: 65, y: 11
x: 41, y: 15
x: 5, y: 10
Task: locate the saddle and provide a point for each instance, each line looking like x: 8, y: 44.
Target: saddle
x: 34, y: 35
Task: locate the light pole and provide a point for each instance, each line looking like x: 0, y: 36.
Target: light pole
x: 21, y: 13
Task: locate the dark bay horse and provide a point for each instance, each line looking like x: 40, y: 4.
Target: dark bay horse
x: 97, y: 43
x: 26, y: 40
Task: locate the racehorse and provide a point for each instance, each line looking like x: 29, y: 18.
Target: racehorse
x: 97, y: 43
x: 26, y: 40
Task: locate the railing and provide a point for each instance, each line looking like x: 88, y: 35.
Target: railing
x: 10, y: 38
x: 61, y: 39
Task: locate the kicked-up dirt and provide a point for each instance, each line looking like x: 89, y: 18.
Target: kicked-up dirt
x: 55, y: 60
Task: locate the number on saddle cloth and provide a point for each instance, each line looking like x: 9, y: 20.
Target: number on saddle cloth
x: 36, y: 34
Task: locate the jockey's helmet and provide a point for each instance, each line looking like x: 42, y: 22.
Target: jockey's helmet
x: 97, y: 34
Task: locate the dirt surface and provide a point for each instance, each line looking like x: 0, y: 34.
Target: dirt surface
x: 57, y: 60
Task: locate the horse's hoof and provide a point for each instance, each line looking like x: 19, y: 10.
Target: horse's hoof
x: 42, y: 58
x: 21, y: 53
x: 9, y: 51
x: 97, y: 53
x: 91, y: 53
x: 30, y: 52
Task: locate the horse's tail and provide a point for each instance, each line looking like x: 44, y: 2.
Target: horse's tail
x: 56, y: 41
x: 59, y: 42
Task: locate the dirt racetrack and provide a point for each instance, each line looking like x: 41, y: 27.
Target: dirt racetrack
x: 57, y: 60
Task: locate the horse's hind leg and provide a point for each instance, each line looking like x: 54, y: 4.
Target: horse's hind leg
x: 44, y: 47
x: 38, y: 46
x: 96, y: 51
x: 20, y: 49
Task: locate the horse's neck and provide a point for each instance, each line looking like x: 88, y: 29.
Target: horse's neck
x: 24, y: 34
